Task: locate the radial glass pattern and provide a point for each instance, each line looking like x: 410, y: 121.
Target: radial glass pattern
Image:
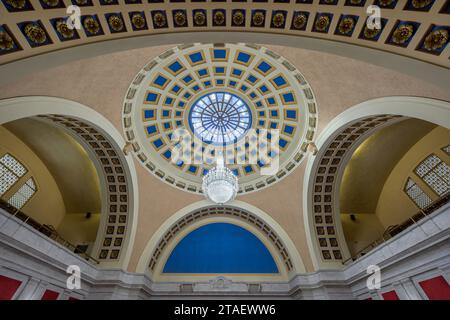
x: 220, y: 118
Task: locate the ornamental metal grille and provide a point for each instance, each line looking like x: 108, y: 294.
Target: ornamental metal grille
x: 11, y: 170
x: 416, y: 194
x: 435, y: 173
x: 21, y: 197
x: 446, y: 149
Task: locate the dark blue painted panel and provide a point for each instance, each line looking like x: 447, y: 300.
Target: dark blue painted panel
x: 220, y: 248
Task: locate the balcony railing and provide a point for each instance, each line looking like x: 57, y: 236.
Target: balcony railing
x: 46, y: 230
x: 392, y: 231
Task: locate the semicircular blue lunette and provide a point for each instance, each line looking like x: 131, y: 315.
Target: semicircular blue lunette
x: 220, y: 248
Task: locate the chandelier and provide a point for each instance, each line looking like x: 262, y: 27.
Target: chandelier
x: 220, y: 185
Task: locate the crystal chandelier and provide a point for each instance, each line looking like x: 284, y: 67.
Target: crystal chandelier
x: 220, y: 185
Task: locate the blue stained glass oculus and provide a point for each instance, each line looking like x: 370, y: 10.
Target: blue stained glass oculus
x: 220, y: 118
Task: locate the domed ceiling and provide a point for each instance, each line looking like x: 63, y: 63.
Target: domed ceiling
x: 217, y: 93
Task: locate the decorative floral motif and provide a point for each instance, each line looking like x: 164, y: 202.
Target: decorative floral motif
x: 419, y: 4
x: 258, y: 18
x: 322, y: 23
x: 199, y: 18
x: 115, y: 22
x: 436, y: 40
x: 371, y: 33
x: 346, y: 25
x: 278, y: 20
x: 6, y: 42
x: 91, y: 25
x: 402, y: 34
x: 51, y: 3
x: 179, y: 18
x: 386, y: 3
x: 159, y: 20
x: 138, y: 21
x: 64, y: 30
x: 238, y: 17
x: 35, y: 33
x: 326, y: 254
x: 299, y: 21
x: 219, y: 18
x: 17, y: 4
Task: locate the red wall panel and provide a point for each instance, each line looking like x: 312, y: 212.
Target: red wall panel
x: 390, y: 295
x: 50, y: 295
x: 8, y: 287
x: 436, y: 288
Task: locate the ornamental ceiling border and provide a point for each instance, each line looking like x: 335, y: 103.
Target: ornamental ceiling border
x: 416, y: 29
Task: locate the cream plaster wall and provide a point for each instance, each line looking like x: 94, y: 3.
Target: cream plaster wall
x: 338, y: 82
x: 394, y: 206
x: 47, y: 205
x: 373, y: 161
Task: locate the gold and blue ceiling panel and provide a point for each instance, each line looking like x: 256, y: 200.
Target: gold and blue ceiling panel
x: 138, y: 20
x: 346, y: 25
x: 435, y: 39
x: 64, y: 32
x: 35, y: 33
x: 403, y: 33
x: 7, y: 41
x: 195, y: 87
x: 92, y: 26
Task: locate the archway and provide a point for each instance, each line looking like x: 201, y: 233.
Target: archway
x: 238, y: 213
x: 104, y: 144
x: 336, y: 145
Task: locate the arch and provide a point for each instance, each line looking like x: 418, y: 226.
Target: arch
x: 336, y: 145
x: 99, y: 137
x: 429, y: 72
x: 202, y: 213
